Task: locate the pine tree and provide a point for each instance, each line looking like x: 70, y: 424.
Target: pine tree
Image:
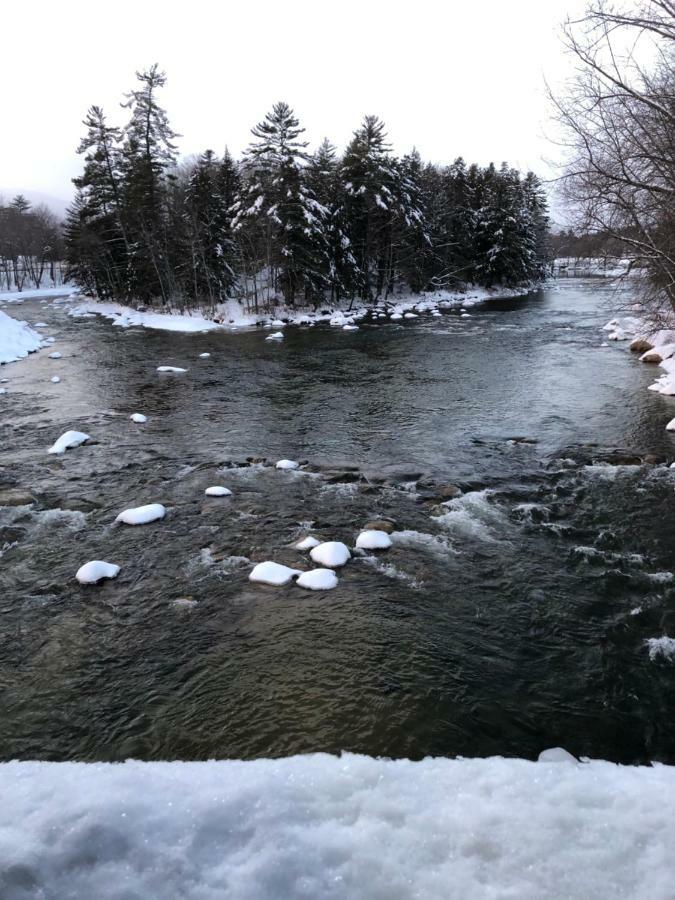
x: 277, y: 205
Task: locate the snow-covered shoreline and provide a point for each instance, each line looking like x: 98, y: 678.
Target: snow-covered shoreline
x: 232, y: 316
x: 341, y: 827
x: 17, y: 339
x: 654, y: 343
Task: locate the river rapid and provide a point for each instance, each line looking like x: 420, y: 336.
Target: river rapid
x: 509, y: 619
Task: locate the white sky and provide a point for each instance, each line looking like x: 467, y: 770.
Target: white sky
x: 451, y: 77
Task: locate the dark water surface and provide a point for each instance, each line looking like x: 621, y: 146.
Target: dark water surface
x: 509, y: 620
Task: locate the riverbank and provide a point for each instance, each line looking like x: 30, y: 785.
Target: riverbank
x: 338, y: 826
x: 656, y: 345
x: 233, y: 316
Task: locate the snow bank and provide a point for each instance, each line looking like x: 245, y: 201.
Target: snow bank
x: 96, y: 570
x: 67, y: 440
x: 62, y: 290
x: 126, y: 317
x: 272, y: 573
x: 337, y: 827
x: 318, y: 580
x: 141, y: 515
x: 17, y: 339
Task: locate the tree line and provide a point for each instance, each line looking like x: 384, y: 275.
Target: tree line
x: 618, y: 126
x: 31, y: 245
x: 283, y: 224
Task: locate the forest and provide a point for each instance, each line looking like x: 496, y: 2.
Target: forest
x: 284, y: 224
x: 31, y: 245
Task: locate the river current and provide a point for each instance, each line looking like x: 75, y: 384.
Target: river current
x: 508, y: 619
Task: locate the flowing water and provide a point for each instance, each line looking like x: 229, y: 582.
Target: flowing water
x: 509, y: 619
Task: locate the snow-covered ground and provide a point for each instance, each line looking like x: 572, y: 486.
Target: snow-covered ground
x: 17, y: 339
x: 232, y: 315
x: 347, y: 827
x: 609, y: 267
x: 32, y: 293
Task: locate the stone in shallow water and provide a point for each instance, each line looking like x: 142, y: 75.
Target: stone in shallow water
x: 96, y: 570
x: 218, y: 490
x: 318, y: 580
x: 15, y: 497
x: 373, y: 540
x: 269, y: 572
x: 141, y: 515
x: 380, y: 525
x: 331, y: 554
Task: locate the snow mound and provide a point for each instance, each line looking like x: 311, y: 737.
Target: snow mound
x: 339, y: 827
x: 67, y: 440
x: 661, y: 646
x: 170, y: 369
x: 331, y: 554
x: 141, y: 515
x: 318, y: 580
x: 307, y: 543
x: 55, y: 379
x: 139, y: 418
x: 373, y: 540
x: 556, y: 755
x: 96, y: 570
x: 55, y: 355
x: 276, y: 336
x: 288, y: 464
x: 272, y: 573
x: 17, y: 339
x: 218, y: 491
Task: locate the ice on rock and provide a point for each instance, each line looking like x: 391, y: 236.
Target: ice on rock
x: 318, y: 580
x: 218, y: 491
x: 96, y: 570
x: 373, y: 540
x: 288, y: 464
x: 331, y: 554
x: 204, y: 355
x: 55, y: 355
x: 307, y: 543
x: 139, y: 418
x: 170, y: 369
x: 67, y: 440
x: 272, y: 573
x: 557, y: 755
x: 141, y: 515
x: 275, y: 336
x: 55, y: 379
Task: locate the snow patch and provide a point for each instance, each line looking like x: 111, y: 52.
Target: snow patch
x: 141, y: 515
x: 17, y: 339
x: 67, y: 440
x: 96, y: 570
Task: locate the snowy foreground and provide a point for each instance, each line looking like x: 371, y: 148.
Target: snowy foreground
x: 17, y: 339
x: 232, y: 315
x: 338, y: 827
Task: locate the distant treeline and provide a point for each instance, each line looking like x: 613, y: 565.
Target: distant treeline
x: 31, y: 245
x: 286, y: 225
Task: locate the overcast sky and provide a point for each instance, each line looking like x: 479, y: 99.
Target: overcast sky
x: 452, y: 78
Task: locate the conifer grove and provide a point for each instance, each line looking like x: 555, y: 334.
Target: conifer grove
x: 286, y: 225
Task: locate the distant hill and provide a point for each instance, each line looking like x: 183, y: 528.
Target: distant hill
x: 58, y: 205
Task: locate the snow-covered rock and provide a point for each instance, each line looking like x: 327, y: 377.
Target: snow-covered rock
x: 275, y: 336
x: 96, y: 570
x: 288, y: 464
x: 331, y: 554
x: 658, y: 354
x: 55, y: 355
x: 409, y: 315
x: 373, y: 540
x: 3, y: 390
x: 318, y: 580
x: 139, y: 418
x: 55, y: 379
x: 350, y: 327
x: 170, y: 369
x: 272, y: 573
x: 218, y: 490
x: 307, y: 543
x: 40, y: 325
x: 141, y: 515
x: 17, y: 339
x: 204, y: 355
x: 671, y: 425
x: 556, y: 755
x: 396, y: 316
x: 69, y: 439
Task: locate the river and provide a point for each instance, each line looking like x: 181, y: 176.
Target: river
x: 508, y: 620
